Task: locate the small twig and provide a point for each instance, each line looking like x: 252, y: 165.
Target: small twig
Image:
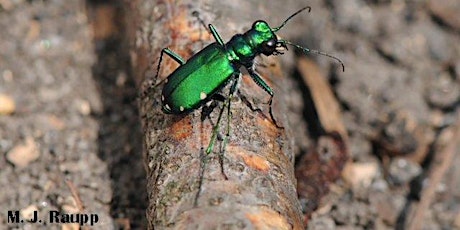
x: 77, y: 198
x: 445, y: 159
x: 75, y: 195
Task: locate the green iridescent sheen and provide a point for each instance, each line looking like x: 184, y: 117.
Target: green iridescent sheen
x: 208, y: 71
x: 191, y: 84
x: 195, y: 81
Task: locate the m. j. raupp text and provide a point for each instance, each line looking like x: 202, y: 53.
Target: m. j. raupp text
x: 55, y: 217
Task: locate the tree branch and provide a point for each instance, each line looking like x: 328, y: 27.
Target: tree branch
x: 251, y: 182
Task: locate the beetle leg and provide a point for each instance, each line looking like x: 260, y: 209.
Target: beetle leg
x: 226, y: 104
x: 262, y: 84
x: 201, y: 21
x: 215, y: 129
x: 171, y: 54
x: 209, y: 106
x: 229, y: 111
x: 218, y: 97
x: 212, y: 29
x: 216, y: 35
x: 233, y: 88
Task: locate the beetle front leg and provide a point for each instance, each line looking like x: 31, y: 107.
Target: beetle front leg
x: 262, y: 84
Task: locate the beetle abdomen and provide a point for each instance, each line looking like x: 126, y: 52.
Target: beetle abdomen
x: 190, y: 85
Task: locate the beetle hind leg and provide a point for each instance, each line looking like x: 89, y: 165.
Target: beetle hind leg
x: 176, y: 57
x: 210, y: 28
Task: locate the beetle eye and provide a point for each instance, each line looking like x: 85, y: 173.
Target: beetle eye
x: 269, y: 47
x: 270, y: 44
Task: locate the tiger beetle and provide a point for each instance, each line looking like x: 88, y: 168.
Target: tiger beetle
x: 197, y: 80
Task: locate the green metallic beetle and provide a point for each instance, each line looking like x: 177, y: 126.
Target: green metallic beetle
x: 208, y: 71
x: 195, y: 81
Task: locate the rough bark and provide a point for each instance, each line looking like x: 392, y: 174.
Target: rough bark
x: 250, y: 183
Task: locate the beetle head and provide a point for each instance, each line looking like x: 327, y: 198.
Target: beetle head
x: 266, y: 40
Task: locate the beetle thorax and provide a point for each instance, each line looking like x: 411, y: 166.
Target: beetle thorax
x: 241, y: 52
x: 260, y: 39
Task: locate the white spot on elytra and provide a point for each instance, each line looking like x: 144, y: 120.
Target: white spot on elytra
x: 203, y: 95
x: 166, y: 80
x: 162, y: 98
x: 181, y: 108
x: 167, y: 107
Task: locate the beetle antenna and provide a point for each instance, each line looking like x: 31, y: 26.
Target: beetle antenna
x: 289, y: 18
x: 306, y: 50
